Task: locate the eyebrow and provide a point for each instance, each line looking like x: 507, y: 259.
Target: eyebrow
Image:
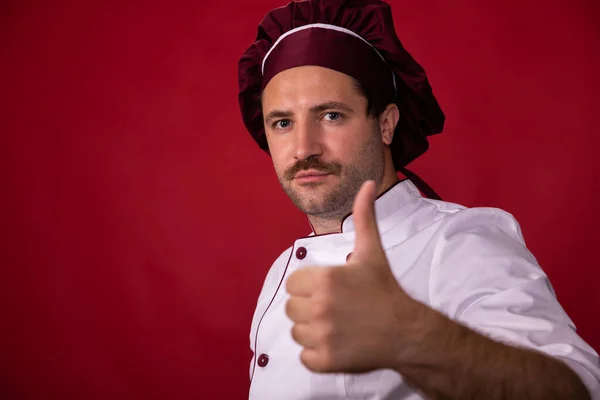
x: 314, y: 109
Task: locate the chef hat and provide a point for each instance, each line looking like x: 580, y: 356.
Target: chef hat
x: 355, y: 37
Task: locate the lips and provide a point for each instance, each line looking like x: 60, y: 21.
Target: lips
x: 310, y: 173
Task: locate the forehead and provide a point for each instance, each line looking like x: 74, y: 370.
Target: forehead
x: 309, y: 84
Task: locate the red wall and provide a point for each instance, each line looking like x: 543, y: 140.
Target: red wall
x: 138, y: 218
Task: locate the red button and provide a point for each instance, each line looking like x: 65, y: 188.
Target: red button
x: 263, y: 360
x: 348, y: 256
x: 301, y: 253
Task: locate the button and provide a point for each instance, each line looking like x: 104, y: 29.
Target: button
x: 263, y: 360
x: 348, y: 256
x: 301, y: 253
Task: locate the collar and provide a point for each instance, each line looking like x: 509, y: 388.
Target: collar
x: 387, y: 203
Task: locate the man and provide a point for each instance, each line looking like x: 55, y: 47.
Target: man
x: 393, y: 295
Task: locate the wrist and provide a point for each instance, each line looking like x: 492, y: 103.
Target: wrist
x: 423, y: 336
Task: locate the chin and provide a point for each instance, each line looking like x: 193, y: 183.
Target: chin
x: 311, y: 208
x: 305, y: 198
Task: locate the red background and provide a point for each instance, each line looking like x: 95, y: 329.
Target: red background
x: 139, y: 219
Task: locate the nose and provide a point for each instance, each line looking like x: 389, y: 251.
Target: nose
x: 308, y: 141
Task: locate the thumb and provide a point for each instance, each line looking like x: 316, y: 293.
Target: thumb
x: 368, y: 243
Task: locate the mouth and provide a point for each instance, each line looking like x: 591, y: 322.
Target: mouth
x: 310, y: 176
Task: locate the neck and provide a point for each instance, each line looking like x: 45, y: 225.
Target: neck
x: 324, y: 225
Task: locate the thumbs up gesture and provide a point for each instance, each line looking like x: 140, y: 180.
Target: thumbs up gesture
x: 351, y: 318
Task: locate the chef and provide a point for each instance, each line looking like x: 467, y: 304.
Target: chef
x: 393, y: 295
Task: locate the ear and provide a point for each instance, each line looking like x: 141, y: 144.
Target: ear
x: 387, y: 123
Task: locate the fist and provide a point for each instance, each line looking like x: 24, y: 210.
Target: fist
x: 348, y: 318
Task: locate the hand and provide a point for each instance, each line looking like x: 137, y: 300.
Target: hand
x: 347, y: 318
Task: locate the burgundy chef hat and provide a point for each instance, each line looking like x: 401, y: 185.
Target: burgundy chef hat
x: 355, y: 37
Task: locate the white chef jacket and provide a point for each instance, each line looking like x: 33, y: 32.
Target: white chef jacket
x: 470, y: 264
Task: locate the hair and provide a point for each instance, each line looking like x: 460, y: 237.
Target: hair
x: 376, y: 105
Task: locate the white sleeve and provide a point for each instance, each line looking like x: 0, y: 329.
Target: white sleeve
x: 485, y: 278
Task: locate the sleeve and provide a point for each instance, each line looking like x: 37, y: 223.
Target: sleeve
x: 484, y: 277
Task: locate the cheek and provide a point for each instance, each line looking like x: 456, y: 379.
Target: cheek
x: 344, y: 146
x: 279, y: 156
x: 279, y: 167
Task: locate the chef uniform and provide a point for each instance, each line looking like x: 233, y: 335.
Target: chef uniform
x: 470, y: 264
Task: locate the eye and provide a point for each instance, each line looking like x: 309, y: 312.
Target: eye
x: 333, y: 116
x: 282, y: 124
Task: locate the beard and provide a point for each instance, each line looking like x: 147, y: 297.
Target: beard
x: 327, y: 200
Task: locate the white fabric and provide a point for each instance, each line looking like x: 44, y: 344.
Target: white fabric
x: 470, y: 264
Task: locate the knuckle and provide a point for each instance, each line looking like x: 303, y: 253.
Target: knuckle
x: 295, y: 333
x: 325, y: 333
x: 289, y: 308
x: 325, y: 362
x: 327, y: 278
x: 290, y: 283
x: 306, y: 360
x: 322, y: 308
x: 320, y: 361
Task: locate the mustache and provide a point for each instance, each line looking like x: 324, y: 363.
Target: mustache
x: 314, y: 164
